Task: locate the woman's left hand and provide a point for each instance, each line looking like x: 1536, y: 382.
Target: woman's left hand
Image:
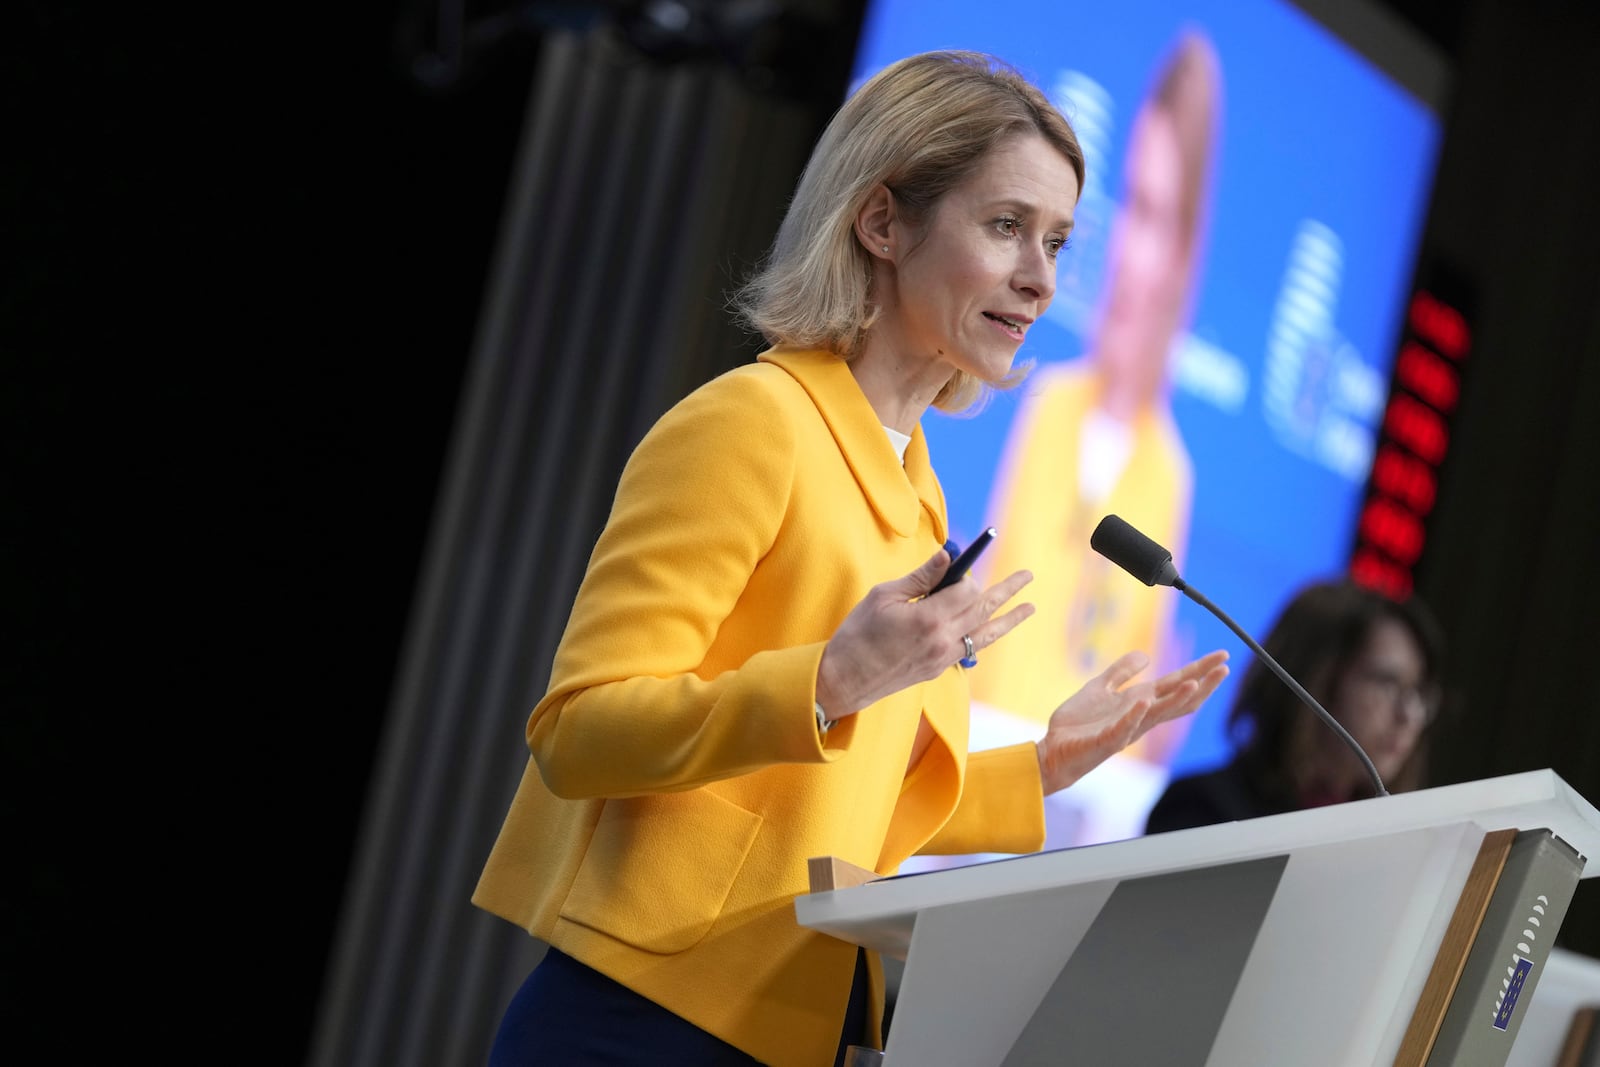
x: 1108, y: 714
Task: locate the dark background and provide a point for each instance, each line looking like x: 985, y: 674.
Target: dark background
x: 243, y: 258
x: 244, y: 255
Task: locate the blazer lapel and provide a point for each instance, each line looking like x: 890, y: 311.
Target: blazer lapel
x: 897, y: 494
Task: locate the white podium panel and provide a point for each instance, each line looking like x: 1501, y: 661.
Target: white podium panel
x: 1015, y: 962
x: 1570, y: 982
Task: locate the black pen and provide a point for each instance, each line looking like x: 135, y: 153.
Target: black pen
x: 963, y: 563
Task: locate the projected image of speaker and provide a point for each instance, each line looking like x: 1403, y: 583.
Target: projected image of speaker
x: 1216, y: 361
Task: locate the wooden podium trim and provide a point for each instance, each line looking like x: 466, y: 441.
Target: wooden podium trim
x: 1440, y: 987
x: 1577, y: 1042
x: 828, y: 873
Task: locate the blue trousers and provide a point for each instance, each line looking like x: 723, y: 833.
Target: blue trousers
x: 569, y: 1015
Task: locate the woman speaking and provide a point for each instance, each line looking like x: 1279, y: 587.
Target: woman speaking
x: 754, y: 671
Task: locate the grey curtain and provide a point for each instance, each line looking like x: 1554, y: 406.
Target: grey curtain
x: 640, y: 196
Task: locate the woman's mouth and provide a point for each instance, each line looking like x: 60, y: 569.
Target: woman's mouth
x: 1012, y: 328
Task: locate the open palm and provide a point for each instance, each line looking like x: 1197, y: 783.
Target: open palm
x: 1108, y: 714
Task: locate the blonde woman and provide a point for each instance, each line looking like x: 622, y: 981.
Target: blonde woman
x: 754, y: 672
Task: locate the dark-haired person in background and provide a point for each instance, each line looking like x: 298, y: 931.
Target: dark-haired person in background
x: 1374, y: 663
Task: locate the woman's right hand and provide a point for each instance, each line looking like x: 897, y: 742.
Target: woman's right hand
x: 898, y: 635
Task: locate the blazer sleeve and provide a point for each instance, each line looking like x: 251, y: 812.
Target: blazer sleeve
x: 629, y: 709
x: 1001, y: 807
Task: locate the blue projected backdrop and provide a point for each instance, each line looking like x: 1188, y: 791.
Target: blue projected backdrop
x: 1320, y: 176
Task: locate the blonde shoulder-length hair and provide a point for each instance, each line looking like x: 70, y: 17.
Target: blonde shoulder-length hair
x: 920, y: 127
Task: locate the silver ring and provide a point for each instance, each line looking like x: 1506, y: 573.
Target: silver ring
x: 966, y: 639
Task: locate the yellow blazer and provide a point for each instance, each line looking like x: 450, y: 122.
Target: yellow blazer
x: 677, y: 784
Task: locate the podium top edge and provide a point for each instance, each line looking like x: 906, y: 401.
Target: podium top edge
x: 1525, y: 801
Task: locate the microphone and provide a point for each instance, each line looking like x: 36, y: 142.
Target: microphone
x: 1147, y: 561
x: 1134, y: 552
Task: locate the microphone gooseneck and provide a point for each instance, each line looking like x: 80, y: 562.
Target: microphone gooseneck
x: 1147, y: 561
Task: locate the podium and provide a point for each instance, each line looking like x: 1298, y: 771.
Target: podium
x: 1404, y: 930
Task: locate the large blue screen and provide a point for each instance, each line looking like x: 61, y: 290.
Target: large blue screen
x: 1315, y: 186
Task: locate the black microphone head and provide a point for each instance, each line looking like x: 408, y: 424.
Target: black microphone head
x: 1133, y: 552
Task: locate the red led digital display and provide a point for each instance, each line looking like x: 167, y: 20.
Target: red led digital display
x: 1412, y: 443
x: 1405, y: 478
x: 1422, y: 371
x: 1418, y: 427
x: 1372, y: 569
x: 1441, y: 326
x: 1394, y: 528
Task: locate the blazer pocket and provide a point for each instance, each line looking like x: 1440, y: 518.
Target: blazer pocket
x: 658, y: 869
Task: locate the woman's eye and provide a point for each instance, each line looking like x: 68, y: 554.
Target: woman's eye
x: 1009, y: 226
x: 1057, y: 245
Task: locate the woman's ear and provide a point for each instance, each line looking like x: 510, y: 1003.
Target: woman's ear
x: 875, y: 227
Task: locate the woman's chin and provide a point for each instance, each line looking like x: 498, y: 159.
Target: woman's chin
x: 994, y: 369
